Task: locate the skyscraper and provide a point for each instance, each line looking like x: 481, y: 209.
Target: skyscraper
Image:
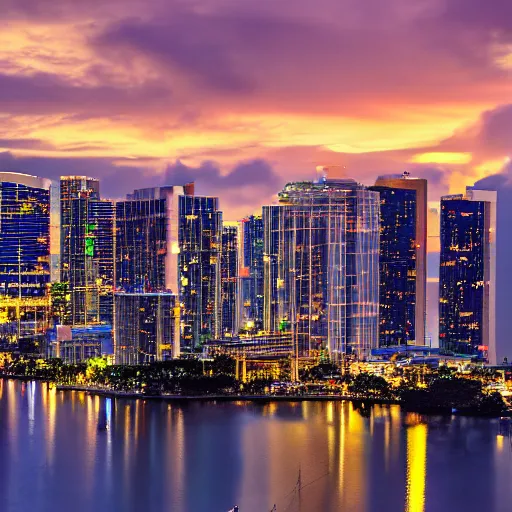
x: 322, y: 266
x: 467, y: 279
x: 251, y: 289
x: 71, y: 187
x: 200, y: 238
x: 147, y: 239
x: 403, y: 259
x: 229, y: 279
x: 87, y: 238
x: 24, y: 259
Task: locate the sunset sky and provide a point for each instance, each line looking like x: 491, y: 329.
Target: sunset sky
x: 243, y: 95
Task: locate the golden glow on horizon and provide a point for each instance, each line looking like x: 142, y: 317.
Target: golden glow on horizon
x: 229, y: 130
x: 441, y: 158
x: 492, y: 166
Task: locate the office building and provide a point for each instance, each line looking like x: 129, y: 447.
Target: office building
x: 87, y: 239
x: 146, y: 327
x: 251, y: 289
x: 229, y: 279
x: 403, y: 259
x: 467, y: 275
x: 71, y: 188
x: 200, y: 238
x: 24, y: 260
x: 321, y: 259
x: 147, y: 239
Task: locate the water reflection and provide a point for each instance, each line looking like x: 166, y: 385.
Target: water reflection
x: 416, y: 467
x: 82, y: 453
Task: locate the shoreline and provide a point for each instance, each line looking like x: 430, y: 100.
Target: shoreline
x: 225, y: 398
x: 261, y: 399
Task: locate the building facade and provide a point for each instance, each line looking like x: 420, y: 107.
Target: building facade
x: 147, y: 327
x: 400, y: 323
x: 87, y: 260
x: 397, y: 262
x: 24, y: 260
x: 467, y: 281
x: 229, y: 279
x: 251, y: 289
x: 147, y: 239
x: 200, y: 238
x: 321, y: 259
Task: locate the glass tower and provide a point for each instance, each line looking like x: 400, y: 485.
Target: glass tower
x: 24, y: 260
x: 229, y: 279
x: 147, y: 239
x: 251, y: 289
x: 200, y: 238
x: 397, y: 261
x: 321, y: 259
x: 410, y: 330
x: 467, y: 274
x: 87, y: 261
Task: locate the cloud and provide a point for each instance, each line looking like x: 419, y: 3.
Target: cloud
x: 284, y: 60
x: 496, y: 130
x: 241, y: 190
x: 25, y: 144
x: 45, y: 93
x: 294, y: 83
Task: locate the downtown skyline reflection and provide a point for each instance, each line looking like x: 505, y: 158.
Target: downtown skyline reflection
x: 56, y: 454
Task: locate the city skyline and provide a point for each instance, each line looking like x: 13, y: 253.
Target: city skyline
x: 319, y: 242
x: 255, y: 255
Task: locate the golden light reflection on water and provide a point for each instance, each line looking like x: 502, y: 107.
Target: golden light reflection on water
x: 416, y: 467
x: 50, y: 397
x: 350, y: 459
x: 342, y: 466
x: 499, y: 442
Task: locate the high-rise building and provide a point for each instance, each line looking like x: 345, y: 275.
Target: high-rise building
x: 200, y: 238
x: 321, y: 260
x: 403, y: 276
x: 71, y: 187
x: 147, y: 239
x: 251, y: 289
x: 229, y: 279
x: 24, y: 260
x: 467, y: 275
x: 146, y: 327
x: 87, y: 264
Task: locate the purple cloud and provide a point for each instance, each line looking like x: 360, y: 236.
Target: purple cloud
x: 44, y: 93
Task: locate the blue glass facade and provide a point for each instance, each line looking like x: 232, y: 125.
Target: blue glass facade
x: 87, y: 251
x: 24, y: 258
x: 251, y: 289
x: 141, y: 245
x: 397, y: 262
x: 200, y: 239
x: 89, y: 259
x: 463, y: 294
x: 322, y: 266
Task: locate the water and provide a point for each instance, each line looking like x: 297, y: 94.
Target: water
x: 57, y: 456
